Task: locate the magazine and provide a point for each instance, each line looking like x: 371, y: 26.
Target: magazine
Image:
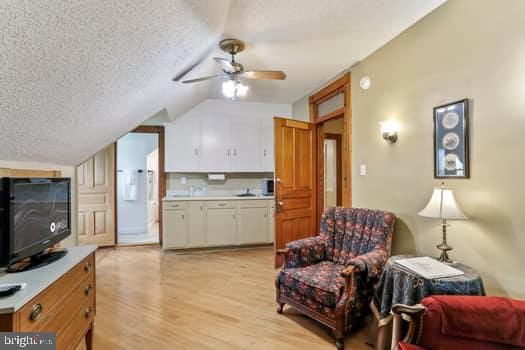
x: 429, y: 268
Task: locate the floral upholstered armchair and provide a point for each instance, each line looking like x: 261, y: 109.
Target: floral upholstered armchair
x: 331, y: 277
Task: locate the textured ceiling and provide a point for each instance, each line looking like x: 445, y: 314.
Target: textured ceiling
x: 76, y: 74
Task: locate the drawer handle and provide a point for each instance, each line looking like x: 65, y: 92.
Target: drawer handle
x: 88, y: 312
x: 36, y: 310
x: 87, y: 266
x: 88, y: 289
x: 221, y: 204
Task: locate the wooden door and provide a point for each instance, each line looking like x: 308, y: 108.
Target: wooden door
x: 96, y: 199
x: 295, y: 174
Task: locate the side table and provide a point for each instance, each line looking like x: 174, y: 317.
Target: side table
x: 399, y: 285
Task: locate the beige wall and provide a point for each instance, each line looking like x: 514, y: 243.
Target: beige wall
x: 466, y: 48
x: 67, y: 171
x: 301, y: 109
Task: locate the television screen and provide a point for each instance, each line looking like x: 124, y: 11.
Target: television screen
x: 40, y: 212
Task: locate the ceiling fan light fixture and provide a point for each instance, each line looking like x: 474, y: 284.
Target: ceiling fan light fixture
x: 232, y: 89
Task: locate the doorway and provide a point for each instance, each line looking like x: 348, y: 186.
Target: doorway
x: 140, y: 186
x: 333, y: 131
x: 331, y: 113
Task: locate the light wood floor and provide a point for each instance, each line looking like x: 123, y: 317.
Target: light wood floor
x: 148, y: 299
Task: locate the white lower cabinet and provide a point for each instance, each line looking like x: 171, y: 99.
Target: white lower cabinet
x: 190, y: 224
x: 196, y: 224
x: 253, y: 222
x: 175, y: 228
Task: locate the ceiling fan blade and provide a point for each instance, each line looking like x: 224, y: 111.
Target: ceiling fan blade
x: 264, y: 74
x: 225, y: 64
x: 201, y: 79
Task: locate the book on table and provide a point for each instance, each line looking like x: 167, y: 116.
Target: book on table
x: 428, y: 267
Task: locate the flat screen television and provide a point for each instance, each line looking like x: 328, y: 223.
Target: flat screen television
x: 35, y: 214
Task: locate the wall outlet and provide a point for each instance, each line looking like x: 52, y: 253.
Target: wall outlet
x: 183, y: 180
x: 362, y: 170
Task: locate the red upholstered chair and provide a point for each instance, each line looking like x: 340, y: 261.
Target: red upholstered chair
x: 331, y: 277
x: 448, y: 322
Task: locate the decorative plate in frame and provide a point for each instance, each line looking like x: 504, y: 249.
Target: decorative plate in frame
x: 451, y: 141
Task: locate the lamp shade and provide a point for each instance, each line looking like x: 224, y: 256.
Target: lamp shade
x: 443, y: 205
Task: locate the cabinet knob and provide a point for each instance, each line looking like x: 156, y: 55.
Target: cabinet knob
x: 87, y: 266
x: 36, y: 311
x: 88, y: 289
x: 88, y: 312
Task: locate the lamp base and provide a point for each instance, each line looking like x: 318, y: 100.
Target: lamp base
x: 444, y: 247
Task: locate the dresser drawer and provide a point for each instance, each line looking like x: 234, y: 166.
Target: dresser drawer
x: 82, y: 294
x: 221, y: 204
x: 253, y: 203
x: 174, y: 205
x: 40, y: 309
x: 69, y: 337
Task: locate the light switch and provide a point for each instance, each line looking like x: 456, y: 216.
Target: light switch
x: 362, y: 170
x: 183, y: 180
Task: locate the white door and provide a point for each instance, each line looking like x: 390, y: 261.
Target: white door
x: 196, y: 227
x: 183, y: 145
x: 246, y: 143
x: 216, y: 151
x: 253, y: 224
x: 174, y: 233
x: 220, y: 226
x: 268, y: 162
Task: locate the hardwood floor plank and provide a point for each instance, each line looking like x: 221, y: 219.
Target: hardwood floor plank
x: 150, y: 299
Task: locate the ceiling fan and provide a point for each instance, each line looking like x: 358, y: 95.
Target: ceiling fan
x: 233, y: 70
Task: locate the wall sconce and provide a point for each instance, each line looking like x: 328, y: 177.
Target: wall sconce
x: 389, y: 129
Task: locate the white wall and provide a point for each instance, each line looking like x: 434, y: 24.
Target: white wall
x: 132, y: 152
x: 234, y: 108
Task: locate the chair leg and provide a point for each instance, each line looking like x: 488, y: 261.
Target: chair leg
x: 340, y: 343
x: 280, y: 307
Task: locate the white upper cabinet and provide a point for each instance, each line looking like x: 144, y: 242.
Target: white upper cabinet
x: 246, y: 145
x: 268, y: 163
x: 217, y: 143
x: 216, y: 147
x: 182, y: 145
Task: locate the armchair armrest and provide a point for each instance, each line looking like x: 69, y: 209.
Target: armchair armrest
x: 303, y: 252
x: 413, y: 315
x: 372, y: 262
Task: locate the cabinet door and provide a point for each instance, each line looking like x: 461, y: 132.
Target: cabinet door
x: 271, y: 222
x: 246, y: 143
x: 220, y: 226
x: 268, y: 162
x: 253, y: 224
x: 196, y: 229
x: 215, y: 155
x: 174, y: 233
x: 183, y: 145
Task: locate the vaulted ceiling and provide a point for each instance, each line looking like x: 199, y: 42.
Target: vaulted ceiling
x: 75, y: 75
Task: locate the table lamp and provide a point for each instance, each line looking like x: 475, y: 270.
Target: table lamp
x: 443, y: 205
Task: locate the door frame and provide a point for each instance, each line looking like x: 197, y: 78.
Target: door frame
x: 147, y: 129
x: 341, y: 85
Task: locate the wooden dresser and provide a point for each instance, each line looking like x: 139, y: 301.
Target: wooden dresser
x: 59, y: 298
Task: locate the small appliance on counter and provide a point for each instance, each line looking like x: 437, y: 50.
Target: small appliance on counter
x: 267, y: 187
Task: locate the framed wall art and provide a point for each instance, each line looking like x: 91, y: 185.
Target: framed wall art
x: 451, y: 141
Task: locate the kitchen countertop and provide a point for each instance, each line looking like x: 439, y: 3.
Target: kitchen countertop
x: 215, y: 198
